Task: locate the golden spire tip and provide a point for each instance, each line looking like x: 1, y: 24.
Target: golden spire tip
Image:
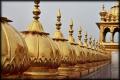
x: 80, y: 28
x: 59, y: 13
x: 71, y: 22
x: 103, y: 7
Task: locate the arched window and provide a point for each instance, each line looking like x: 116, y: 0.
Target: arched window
x: 116, y: 34
x: 107, y: 35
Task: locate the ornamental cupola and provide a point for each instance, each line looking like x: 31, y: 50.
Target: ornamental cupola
x: 103, y: 14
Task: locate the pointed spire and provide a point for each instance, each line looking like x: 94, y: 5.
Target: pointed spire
x: 58, y: 34
x: 36, y: 10
x: 94, y: 43
x: 71, y: 27
x: 85, y: 40
x: 58, y: 23
x: 90, y: 41
x: 80, y: 35
x: 70, y: 38
x: 103, y: 7
x: 59, y: 13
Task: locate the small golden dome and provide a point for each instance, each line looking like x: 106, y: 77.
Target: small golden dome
x: 63, y: 45
x: 14, y: 50
x: 43, y: 51
x: 115, y: 10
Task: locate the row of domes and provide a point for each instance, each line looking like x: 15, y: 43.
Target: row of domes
x: 34, y: 48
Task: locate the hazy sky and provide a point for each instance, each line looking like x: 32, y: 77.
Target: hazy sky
x: 84, y: 14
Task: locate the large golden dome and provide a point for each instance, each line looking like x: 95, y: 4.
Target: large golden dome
x: 14, y: 50
x: 42, y: 50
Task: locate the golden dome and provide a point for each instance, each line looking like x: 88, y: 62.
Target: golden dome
x: 14, y: 50
x: 115, y: 10
x: 43, y: 51
x: 63, y: 45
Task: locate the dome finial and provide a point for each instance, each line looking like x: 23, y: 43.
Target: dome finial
x: 71, y: 27
x: 103, y: 7
x: 58, y: 23
x: 85, y: 40
x: 93, y: 43
x: 103, y: 13
x: 90, y: 41
x: 58, y: 34
x: 59, y: 13
x: 70, y: 38
x: 36, y: 10
x: 80, y: 35
x: 96, y: 45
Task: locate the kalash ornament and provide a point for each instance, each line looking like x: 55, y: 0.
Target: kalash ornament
x: 14, y: 57
x: 64, y: 47
x: 43, y: 51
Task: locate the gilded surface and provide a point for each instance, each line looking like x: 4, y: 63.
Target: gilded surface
x: 14, y: 51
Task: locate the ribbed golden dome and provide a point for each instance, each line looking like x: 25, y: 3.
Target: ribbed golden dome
x: 14, y: 50
x: 115, y: 10
x: 43, y: 51
x: 63, y: 45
